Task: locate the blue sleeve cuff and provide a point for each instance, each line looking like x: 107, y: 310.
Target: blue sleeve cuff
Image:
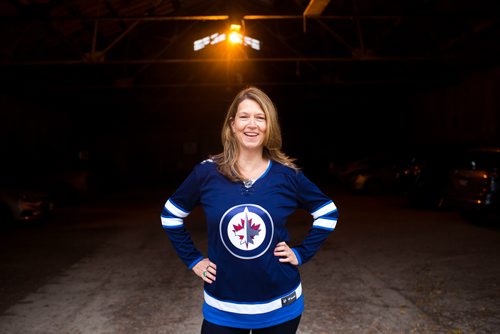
x: 297, y: 255
x: 195, y: 262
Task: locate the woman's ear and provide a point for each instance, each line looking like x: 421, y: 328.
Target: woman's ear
x: 231, y: 124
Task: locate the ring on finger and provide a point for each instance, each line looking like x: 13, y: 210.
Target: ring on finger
x: 204, y: 274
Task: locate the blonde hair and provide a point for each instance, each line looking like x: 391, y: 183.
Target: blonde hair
x: 227, y: 160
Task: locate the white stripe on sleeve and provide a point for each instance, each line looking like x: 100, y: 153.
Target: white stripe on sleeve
x: 175, y: 210
x: 171, y: 222
x: 325, y: 223
x: 327, y: 208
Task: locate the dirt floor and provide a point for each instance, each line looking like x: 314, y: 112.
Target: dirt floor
x: 387, y: 268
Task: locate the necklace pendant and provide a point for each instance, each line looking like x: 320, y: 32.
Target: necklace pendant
x: 247, y: 183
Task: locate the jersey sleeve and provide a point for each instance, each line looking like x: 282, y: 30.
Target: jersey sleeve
x: 178, y: 207
x: 324, y: 213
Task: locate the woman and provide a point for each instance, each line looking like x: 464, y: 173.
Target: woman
x: 251, y: 274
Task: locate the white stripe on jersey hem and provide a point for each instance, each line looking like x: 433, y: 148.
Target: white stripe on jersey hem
x: 242, y: 308
x: 325, y: 223
x: 171, y: 222
x: 172, y: 208
x: 327, y: 208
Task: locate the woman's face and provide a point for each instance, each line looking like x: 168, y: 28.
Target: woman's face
x: 249, y: 125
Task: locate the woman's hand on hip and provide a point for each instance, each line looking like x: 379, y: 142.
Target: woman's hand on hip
x: 206, y: 269
x: 285, y: 253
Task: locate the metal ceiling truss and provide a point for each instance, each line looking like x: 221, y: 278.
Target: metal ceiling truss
x: 102, y: 39
x: 95, y: 55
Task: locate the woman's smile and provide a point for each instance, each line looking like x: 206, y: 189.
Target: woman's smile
x: 249, y: 125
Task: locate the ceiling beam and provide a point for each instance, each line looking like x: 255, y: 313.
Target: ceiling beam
x: 239, y: 60
x: 314, y: 9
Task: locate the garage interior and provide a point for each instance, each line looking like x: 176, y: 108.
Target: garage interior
x: 116, y: 85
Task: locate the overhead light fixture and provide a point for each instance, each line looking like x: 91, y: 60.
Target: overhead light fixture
x: 234, y: 35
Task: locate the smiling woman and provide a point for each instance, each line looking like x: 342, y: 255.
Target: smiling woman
x: 249, y: 126
x: 251, y: 274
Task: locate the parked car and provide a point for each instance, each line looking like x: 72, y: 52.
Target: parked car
x: 22, y: 204
x: 425, y: 176
x: 374, y: 174
x: 474, y: 184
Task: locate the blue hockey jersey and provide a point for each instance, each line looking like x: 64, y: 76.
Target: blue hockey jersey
x: 244, y: 224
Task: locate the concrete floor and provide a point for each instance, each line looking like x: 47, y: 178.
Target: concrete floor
x: 386, y: 269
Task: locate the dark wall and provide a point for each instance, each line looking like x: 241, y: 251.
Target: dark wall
x: 465, y: 112
x: 153, y: 135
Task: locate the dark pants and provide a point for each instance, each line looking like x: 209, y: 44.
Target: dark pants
x: 289, y: 327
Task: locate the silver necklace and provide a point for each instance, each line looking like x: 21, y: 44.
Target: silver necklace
x: 247, y: 183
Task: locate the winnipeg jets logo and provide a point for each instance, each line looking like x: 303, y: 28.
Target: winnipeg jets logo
x: 246, y: 230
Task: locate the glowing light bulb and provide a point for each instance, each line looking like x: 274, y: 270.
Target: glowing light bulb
x: 235, y: 37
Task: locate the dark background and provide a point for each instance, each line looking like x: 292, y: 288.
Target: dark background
x: 115, y: 88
